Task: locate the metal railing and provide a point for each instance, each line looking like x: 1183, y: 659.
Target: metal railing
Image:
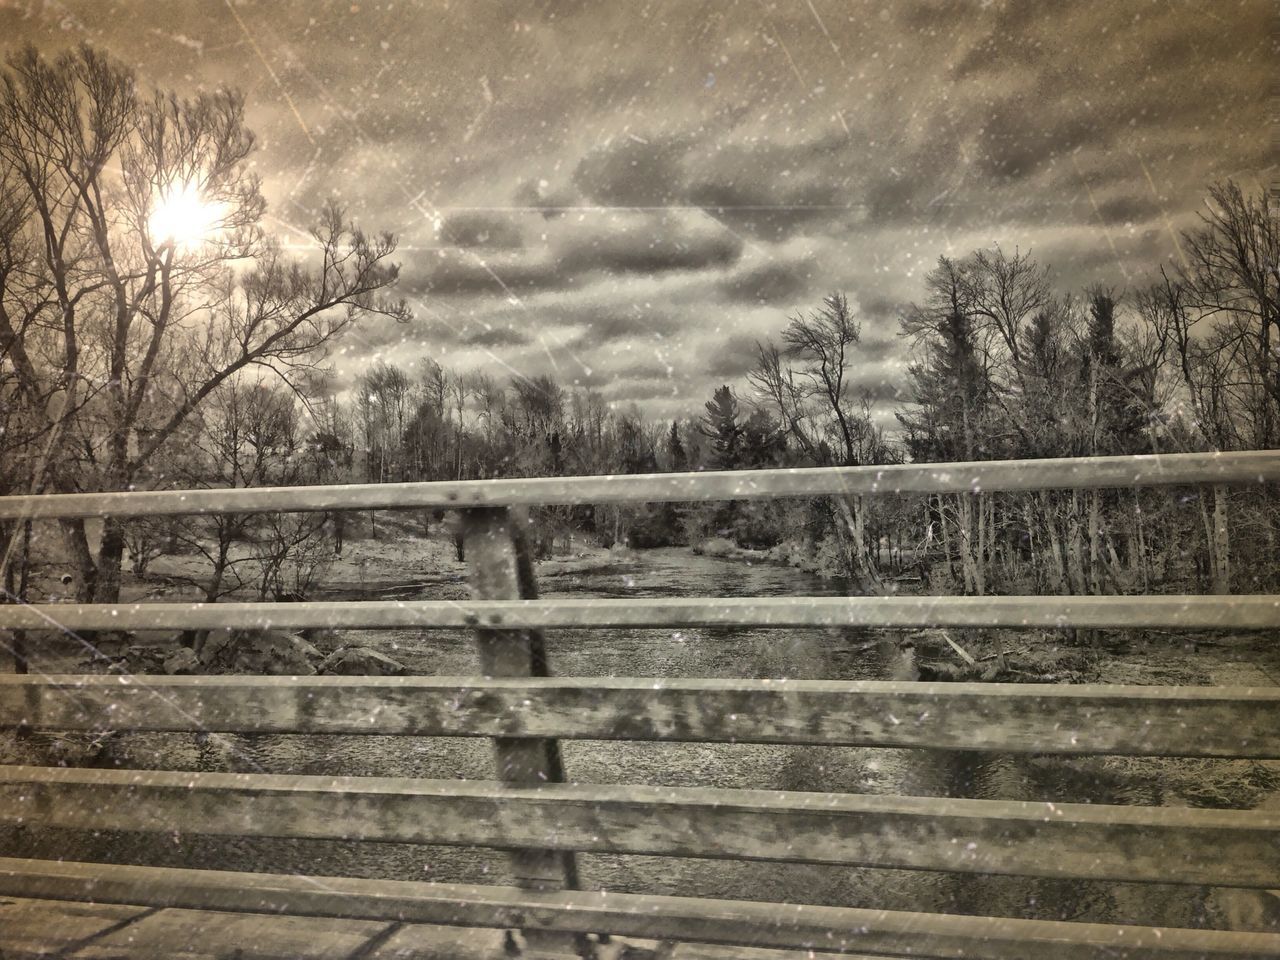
x: 544, y: 821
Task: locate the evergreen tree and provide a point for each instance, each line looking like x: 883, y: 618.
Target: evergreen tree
x: 1118, y: 415
x: 762, y: 442
x: 720, y: 425
x: 635, y: 453
x: 951, y: 387
x: 675, y: 450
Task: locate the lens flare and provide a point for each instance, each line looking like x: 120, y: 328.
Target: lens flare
x: 184, y: 218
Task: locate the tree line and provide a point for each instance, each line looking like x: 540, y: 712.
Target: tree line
x: 1003, y: 366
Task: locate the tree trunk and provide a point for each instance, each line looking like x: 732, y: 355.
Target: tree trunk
x: 860, y: 535
x: 945, y: 536
x: 1217, y: 567
x: 78, y: 546
x: 118, y: 477
x: 967, y: 565
x: 1057, y: 569
x: 16, y: 580
x: 1138, y: 556
x: 853, y: 537
x: 214, y: 586
x: 1269, y: 529
x: 196, y: 639
x: 1095, y: 535
x: 980, y: 551
x: 995, y: 549
x: 339, y: 531
x: 1029, y: 523
x: 110, y: 560
x: 1075, y: 548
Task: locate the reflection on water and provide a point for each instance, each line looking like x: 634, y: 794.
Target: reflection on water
x: 800, y: 654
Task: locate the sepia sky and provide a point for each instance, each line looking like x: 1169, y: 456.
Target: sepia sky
x: 627, y: 194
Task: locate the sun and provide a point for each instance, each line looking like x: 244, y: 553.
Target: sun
x: 184, y: 218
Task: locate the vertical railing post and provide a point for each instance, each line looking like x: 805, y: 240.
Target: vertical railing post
x: 500, y: 568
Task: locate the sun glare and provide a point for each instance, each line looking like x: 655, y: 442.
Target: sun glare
x: 184, y: 218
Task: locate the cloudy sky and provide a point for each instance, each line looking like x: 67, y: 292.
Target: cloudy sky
x: 627, y: 194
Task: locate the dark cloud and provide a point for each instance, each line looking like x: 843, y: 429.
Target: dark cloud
x: 495, y: 337
x: 647, y: 370
x: 878, y: 309
x: 612, y: 325
x: 927, y: 17
x: 1102, y: 255
x: 734, y: 359
x: 767, y: 190
x: 646, y: 390
x: 482, y: 230
x: 1020, y: 135
x: 1128, y: 209
x: 648, y: 244
x: 921, y: 176
x: 780, y: 283
x: 878, y: 347
x: 894, y: 197
x: 774, y: 191
x: 634, y: 171
x: 623, y: 374
x: 654, y: 246
x: 1008, y: 41
x: 471, y: 274
x: 538, y: 194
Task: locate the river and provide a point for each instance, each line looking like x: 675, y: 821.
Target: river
x: 753, y: 652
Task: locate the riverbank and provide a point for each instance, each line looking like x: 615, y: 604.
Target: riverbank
x: 397, y: 563
x: 404, y: 564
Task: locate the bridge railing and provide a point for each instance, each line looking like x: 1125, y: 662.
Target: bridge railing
x: 544, y: 819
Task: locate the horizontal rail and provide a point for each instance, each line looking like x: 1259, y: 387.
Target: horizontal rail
x: 732, y: 922
x: 1238, y: 467
x: 1086, y: 841
x: 1241, y: 612
x: 1009, y: 718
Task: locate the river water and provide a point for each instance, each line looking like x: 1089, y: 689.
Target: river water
x: 754, y: 652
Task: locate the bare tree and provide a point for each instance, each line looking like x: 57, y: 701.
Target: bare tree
x: 776, y: 383
x: 821, y: 343
x: 1217, y: 324
x: 245, y: 436
x: 1233, y: 278
x: 807, y: 381
x: 120, y: 312
x: 1007, y: 292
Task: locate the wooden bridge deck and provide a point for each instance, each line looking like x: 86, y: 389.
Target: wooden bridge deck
x: 70, y: 909
x: 36, y: 928
x: 48, y: 929
x: 464, y: 917
x: 53, y: 928
x: 92, y: 931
